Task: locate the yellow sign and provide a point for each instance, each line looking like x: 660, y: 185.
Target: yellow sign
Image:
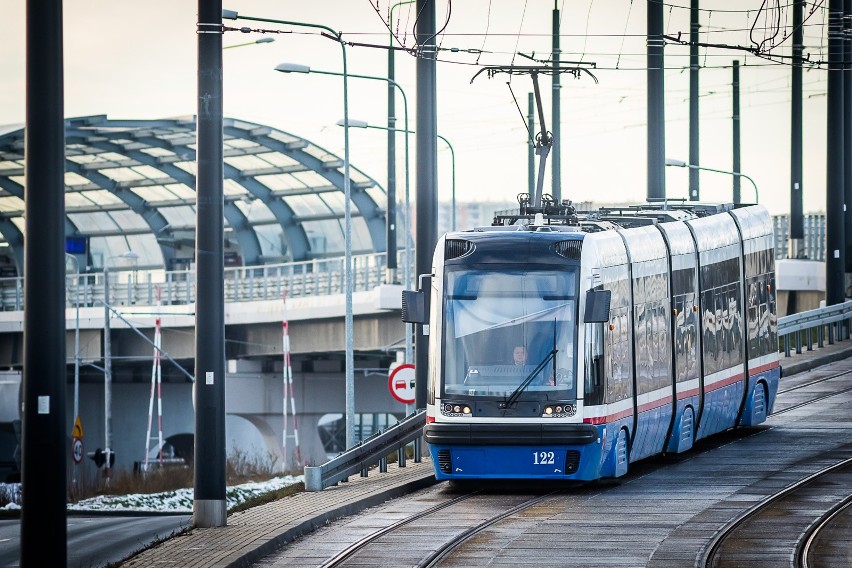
x: 78, y: 429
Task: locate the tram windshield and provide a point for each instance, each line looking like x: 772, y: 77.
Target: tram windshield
x: 501, y: 323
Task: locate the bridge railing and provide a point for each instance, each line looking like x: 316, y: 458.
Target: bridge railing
x: 812, y: 326
x: 242, y: 284
x: 374, y: 450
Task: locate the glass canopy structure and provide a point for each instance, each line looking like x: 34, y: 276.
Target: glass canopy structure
x: 130, y: 186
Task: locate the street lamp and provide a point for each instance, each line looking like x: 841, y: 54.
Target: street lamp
x: 296, y: 68
x: 261, y: 40
x: 76, y: 351
x: 130, y: 255
x: 363, y: 124
x: 347, y: 225
x: 682, y: 164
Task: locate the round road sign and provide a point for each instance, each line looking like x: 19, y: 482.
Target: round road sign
x: 401, y: 383
x: 77, y: 450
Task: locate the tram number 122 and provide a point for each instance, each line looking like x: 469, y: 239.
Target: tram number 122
x: 543, y: 458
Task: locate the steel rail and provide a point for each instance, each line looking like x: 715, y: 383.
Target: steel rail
x: 708, y: 555
x: 349, y: 551
x: 445, y: 549
x: 803, y: 548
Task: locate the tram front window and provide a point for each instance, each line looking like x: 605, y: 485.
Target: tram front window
x: 501, y: 323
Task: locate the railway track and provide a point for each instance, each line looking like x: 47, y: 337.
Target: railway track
x: 764, y: 534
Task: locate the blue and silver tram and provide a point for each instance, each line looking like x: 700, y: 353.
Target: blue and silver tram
x: 568, y: 351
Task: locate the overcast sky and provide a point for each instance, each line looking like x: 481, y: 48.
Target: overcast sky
x: 130, y: 59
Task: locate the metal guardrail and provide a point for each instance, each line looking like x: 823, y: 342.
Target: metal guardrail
x: 374, y: 450
x: 242, y: 284
x: 800, y: 329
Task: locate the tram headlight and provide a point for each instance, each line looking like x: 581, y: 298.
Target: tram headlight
x: 558, y: 409
x: 548, y: 410
x: 456, y: 409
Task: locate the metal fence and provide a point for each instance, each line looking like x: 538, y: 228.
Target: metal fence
x: 813, y: 326
x: 242, y: 284
x: 814, y: 236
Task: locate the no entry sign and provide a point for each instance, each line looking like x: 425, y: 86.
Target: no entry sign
x: 401, y: 383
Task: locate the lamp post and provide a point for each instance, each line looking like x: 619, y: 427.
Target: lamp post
x: 347, y: 224
x: 76, y: 351
x: 682, y: 164
x: 346, y: 123
x: 130, y: 255
x: 363, y: 124
x: 261, y: 40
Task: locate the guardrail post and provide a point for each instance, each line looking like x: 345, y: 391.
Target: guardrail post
x: 365, y: 472
x: 831, y: 334
x: 313, y: 478
x: 400, y: 456
x: 383, y: 465
x: 418, y: 450
x: 820, y: 336
x: 786, y: 340
x: 810, y: 339
x: 798, y: 343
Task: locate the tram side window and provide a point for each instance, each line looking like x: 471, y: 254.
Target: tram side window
x: 594, y: 387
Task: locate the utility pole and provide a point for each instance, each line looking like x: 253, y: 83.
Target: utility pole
x: 835, y: 234
x: 427, y: 175
x: 693, y: 101
x: 736, y: 131
x: 656, y: 103
x: 795, y: 247
x: 44, y: 450
x: 556, y: 190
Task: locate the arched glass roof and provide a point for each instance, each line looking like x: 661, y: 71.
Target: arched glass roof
x: 130, y: 186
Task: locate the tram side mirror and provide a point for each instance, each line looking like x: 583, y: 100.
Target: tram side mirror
x: 597, y: 306
x: 414, y: 307
x: 415, y: 304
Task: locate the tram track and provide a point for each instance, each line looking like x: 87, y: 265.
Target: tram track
x: 814, y: 382
x: 785, y: 515
x: 447, y: 548
x: 351, y: 550
x: 425, y: 522
x: 808, y: 552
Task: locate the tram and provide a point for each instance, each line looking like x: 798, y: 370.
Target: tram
x: 567, y: 345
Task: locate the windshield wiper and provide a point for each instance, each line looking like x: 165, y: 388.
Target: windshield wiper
x: 523, y: 386
x: 513, y: 398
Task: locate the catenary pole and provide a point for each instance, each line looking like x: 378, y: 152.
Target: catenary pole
x: 556, y: 148
x: 427, y: 203
x: 44, y: 451
x: 656, y: 103
x: 736, y: 131
x: 847, y: 145
x: 531, y: 144
x: 834, y: 265
x: 694, y: 192
x: 797, y: 229
x: 209, y: 505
